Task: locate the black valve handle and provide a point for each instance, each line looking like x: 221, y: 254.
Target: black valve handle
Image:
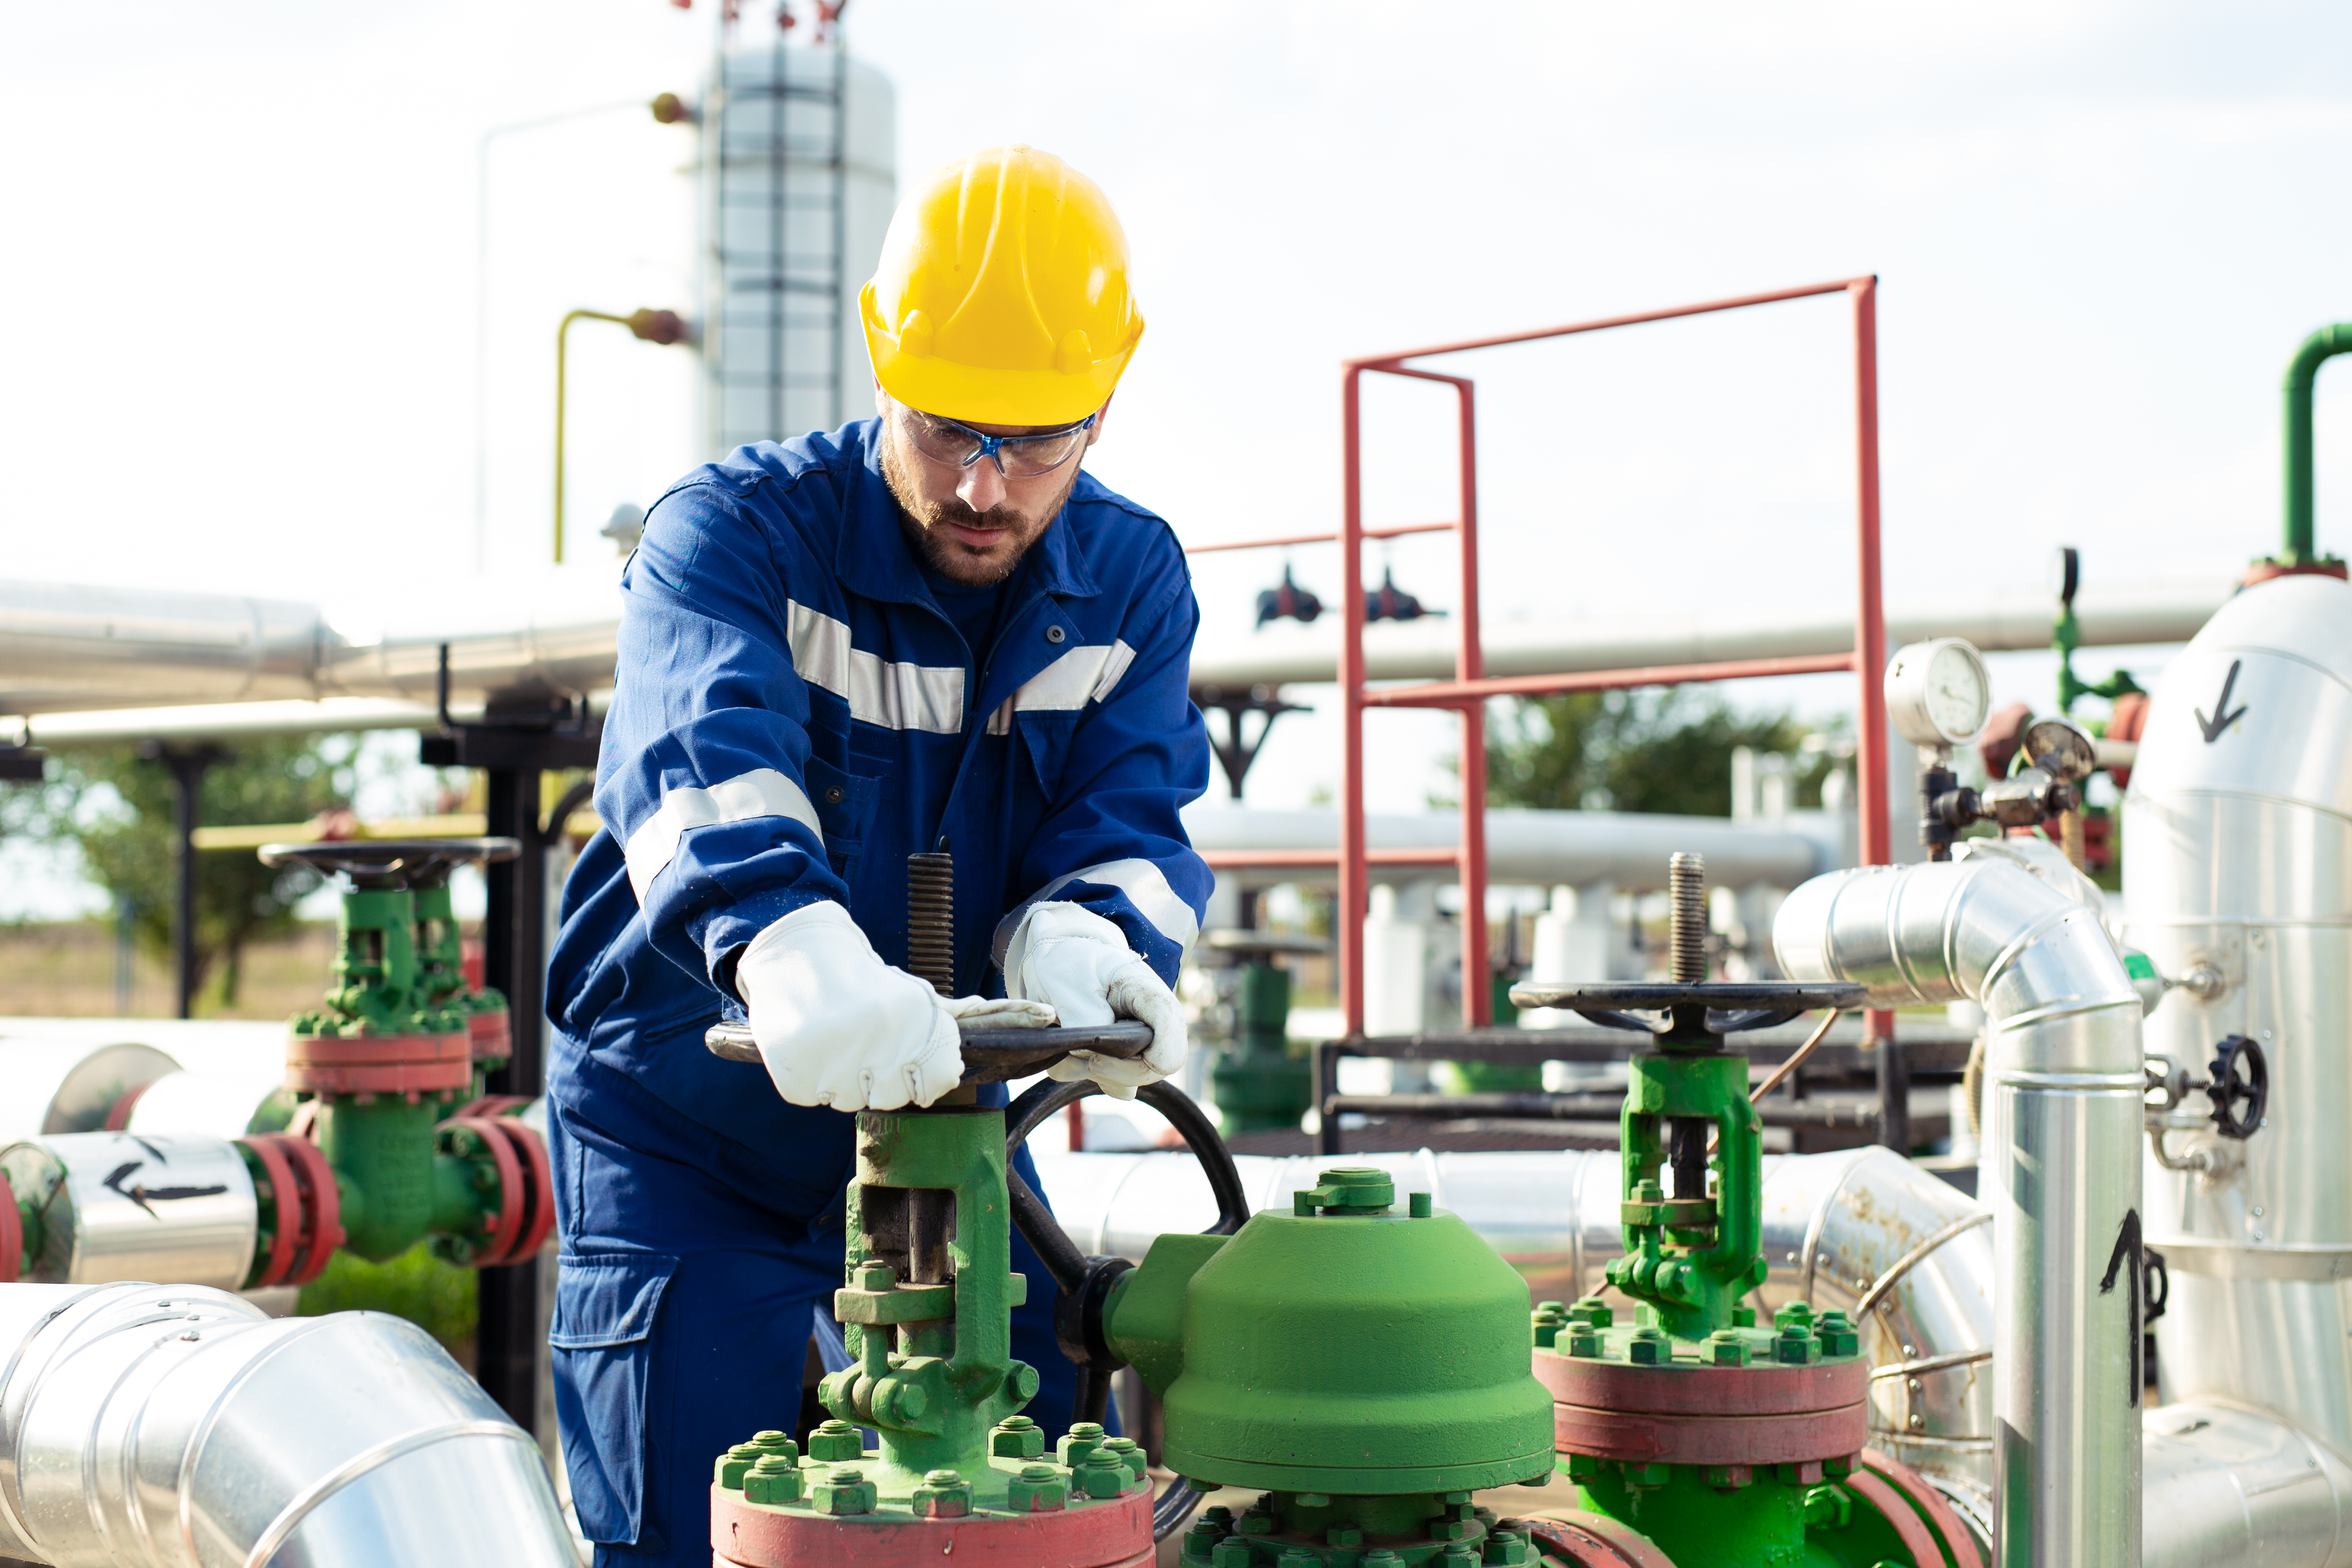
x: 2239, y: 1077
x: 1731, y: 1007
x: 992, y: 1054
x: 381, y: 863
x: 1083, y: 1284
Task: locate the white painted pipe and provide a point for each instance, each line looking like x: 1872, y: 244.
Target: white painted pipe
x: 1284, y: 651
x: 1541, y: 848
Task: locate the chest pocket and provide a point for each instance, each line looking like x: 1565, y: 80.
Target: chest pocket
x: 1045, y: 738
x: 844, y: 805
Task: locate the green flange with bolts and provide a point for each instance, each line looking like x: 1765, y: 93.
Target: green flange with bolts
x: 1365, y: 1365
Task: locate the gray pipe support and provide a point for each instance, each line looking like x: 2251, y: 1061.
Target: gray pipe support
x: 174, y: 1426
x: 2061, y: 1170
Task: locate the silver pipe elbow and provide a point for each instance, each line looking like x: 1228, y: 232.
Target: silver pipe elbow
x: 177, y: 1426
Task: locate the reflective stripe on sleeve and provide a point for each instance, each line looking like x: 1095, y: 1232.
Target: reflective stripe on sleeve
x: 1143, y: 883
x: 1081, y: 675
x: 763, y: 791
x: 894, y: 696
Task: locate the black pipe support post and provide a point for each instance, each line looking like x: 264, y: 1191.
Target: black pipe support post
x: 188, y: 766
x: 511, y: 1341
x: 1894, y: 1096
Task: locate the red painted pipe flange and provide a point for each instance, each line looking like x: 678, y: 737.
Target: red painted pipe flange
x: 1109, y: 1533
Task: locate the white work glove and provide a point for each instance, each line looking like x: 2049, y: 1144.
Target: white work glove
x: 836, y: 1025
x: 1070, y: 956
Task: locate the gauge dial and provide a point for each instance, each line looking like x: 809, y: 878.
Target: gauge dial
x: 1938, y: 693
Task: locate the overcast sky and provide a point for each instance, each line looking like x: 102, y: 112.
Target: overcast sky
x: 240, y: 280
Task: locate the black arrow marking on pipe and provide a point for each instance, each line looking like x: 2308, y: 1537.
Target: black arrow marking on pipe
x: 2129, y: 1250
x: 142, y: 1194
x: 2222, y: 718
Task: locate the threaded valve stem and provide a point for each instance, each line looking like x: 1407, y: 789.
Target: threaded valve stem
x: 931, y: 919
x: 1686, y: 893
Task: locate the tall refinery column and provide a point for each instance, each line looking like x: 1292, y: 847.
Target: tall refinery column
x: 799, y: 153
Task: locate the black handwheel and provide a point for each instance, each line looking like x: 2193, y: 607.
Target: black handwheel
x: 1716, y: 1007
x: 1083, y: 1284
x: 2241, y: 1076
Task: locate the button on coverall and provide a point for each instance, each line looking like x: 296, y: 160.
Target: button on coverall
x: 792, y: 717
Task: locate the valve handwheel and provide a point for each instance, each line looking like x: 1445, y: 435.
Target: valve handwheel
x: 2240, y: 1077
x: 1709, y: 1007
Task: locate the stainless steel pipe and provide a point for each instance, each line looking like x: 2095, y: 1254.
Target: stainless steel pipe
x: 2224, y: 1484
x: 124, y: 1206
x: 172, y: 1427
x: 66, y: 647
x: 2061, y: 1168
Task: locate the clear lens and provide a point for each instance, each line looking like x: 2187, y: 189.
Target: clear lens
x: 1022, y: 457
x: 1033, y: 456
x: 941, y: 442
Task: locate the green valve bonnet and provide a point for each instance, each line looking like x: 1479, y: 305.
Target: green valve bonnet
x: 1348, y: 1347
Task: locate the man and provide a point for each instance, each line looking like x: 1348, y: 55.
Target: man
x: 926, y: 630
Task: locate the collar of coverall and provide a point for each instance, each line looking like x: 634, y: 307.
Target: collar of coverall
x: 872, y: 560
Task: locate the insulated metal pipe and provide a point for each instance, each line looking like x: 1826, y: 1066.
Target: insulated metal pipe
x: 2060, y: 1172
x: 2296, y: 547
x: 174, y: 1427
x: 2238, y: 863
x: 2225, y: 1484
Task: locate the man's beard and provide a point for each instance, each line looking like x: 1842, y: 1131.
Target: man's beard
x: 924, y: 524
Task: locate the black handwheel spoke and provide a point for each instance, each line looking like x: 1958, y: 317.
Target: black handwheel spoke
x: 1055, y: 1248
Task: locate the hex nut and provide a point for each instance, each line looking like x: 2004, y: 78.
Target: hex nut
x: 1128, y: 1454
x: 1256, y: 1521
x: 1838, y: 1336
x: 1726, y: 1348
x: 1100, y: 1474
x: 775, y: 1479
x: 1230, y: 1553
x: 843, y: 1492
x: 943, y: 1494
x: 1082, y: 1439
x: 1038, y: 1488
x: 1449, y: 1529
x: 1508, y: 1548
x: 1649, y: 1347
x: 834, y: 1441
x: 1592, y: 1309
x: 734, y: 1465
x: 1016, y: 1437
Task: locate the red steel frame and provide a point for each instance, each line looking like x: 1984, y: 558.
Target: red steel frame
x: 1468, y: 692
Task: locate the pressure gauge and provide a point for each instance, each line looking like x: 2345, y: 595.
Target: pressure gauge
x: 2061, y: 748
x: 1937, y: 692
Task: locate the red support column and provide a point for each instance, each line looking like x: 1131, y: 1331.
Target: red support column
x: 1870, y: 633
x: 1470, y: 664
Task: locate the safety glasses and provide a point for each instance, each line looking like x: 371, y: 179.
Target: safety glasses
x: 1016, y: 457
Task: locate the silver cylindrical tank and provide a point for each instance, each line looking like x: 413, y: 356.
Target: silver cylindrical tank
x: 70, y: 1085
x: 2237, y: 844
x: 120, y: 1205
x: 162, y: 1427
x: 2060, y: 1170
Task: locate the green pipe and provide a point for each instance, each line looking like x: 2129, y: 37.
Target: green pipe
x: 2300, y: 371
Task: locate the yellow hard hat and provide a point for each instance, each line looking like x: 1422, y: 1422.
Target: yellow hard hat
x: 1001, y: 296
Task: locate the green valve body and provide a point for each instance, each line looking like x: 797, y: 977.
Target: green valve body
x: 1257, y: 1083
x: 926, y: 1311
x: 1722, y: 1441
x: 386, y: 1057
x: 1364, y: 1365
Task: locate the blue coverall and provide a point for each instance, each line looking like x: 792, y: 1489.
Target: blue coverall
x: 793, y: 714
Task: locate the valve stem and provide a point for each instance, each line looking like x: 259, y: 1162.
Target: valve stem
x: 1686, y: 891
x: 931, y: 919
